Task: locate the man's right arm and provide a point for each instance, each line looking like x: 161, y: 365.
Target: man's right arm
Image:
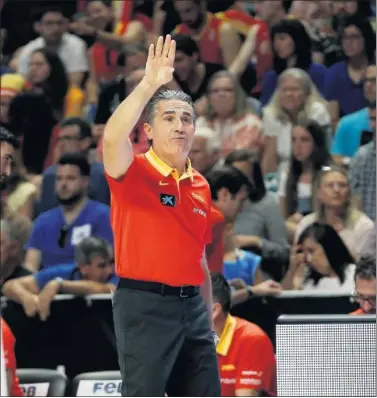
x: 117, y: 147
x: 33, y: 259
x: 21, y: 289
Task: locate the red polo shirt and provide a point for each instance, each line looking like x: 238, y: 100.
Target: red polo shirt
x: 160, y: 222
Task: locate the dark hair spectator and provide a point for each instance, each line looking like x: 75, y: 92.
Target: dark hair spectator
x: 221, y: 291
x: 76, y: 159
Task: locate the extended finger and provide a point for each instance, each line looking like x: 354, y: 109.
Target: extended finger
x: 166, y: 48
x: 171, y: 54
x: 159, y: 45
x: 151, y: 51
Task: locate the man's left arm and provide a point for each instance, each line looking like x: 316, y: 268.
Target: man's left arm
x: 206, y: 288
x: 230, y: 43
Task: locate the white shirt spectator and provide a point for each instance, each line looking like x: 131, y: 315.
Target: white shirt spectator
x: 72, y: 52
x: 273, y: 127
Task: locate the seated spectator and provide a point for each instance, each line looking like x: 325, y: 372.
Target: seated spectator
x: 365, y: 285
x: 245, y: 353
x: 56, y: 232
x: 240, y: 264
x: 14, y: 234
x: 110, y: 98
x: 205, y: 150
x: 344, y: 80
x: 320, y: 261
x: 350, y: 129
x: 40, y: 108
x: 92, y: 273
x: 230, y: 115
x: 309, y: 155
x: 218, y: 42
x: 292, y: 48
x: 21, y: 193
x: 295, y: 97
x: 369, y: 245
x: 9, y: 342
x: 334, y: 207
x: 52, y: 26
x: 259, y: 225
x: 75, y: 136
x: 362, y: 173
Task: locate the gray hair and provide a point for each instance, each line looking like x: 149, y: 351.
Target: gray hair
x: 165, y: 95
x: 213, y: 141
x: 92, y: 247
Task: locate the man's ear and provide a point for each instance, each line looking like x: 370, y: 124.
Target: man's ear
x: 37, y: 27
x: 148, y: 131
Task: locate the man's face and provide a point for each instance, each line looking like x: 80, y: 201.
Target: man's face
x: 135, y: 62
x: 99, y: 270
x: 5, y: 101
x: 190, y: 13
x: 201, y: 159
x: 98, y: 14
x: 266, y: 9
x: 52, y: 26
x: 69, y: 140
x: 184, y: 65
x: 172, y: 129
x: 69, y: 182
x: 230, y: 205
x: 370, y: 83
x: 4, y: 249
x: 365, y: 290
x: 7, y: 154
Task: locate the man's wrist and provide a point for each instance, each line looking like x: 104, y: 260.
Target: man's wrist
x: 250, y: 291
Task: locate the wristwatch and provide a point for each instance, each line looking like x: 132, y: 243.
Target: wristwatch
x: 60, y: 281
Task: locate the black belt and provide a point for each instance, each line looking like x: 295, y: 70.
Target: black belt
x: 159, y: 288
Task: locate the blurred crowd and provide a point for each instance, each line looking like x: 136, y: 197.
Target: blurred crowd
x: 285, y: 97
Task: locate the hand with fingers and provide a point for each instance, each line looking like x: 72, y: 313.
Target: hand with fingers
x: 160, y: 63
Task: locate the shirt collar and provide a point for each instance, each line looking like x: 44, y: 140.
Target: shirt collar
x: 226, y: 336
x: 165, y: 169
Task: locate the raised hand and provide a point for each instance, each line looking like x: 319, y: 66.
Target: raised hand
x: 160, y: 63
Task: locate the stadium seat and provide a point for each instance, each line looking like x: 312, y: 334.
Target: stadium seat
x: 42, y: 382
x: 107, y: 383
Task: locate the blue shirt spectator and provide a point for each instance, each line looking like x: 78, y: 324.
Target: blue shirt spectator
x: 98, y: 188
x: 244, y: 267
x: 67, y: 272
x: 56, y: 240
x: 348, y: 133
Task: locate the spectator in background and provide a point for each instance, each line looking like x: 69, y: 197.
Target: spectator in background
x: 52, y: 26
x: 190, y: 73
x: 292, y: 48
x: 8, y: 340
x: 344, y: 80
x: 259, y: 226
x: 14, y: 234
x: 365, y: 285
x: 138, y: 137
x: 205, y: 150
x: 230, y: 115
x: 334, y: 207
x: 40, y: 108
x: 296, y: 97
x: 10, y: 85
x: 369, y: 245
x: 362, y: 172
x: 218, y: 42
x: 56, y: 232
x: 75, y: 137
x: 350, y: 129
x: 92, y: 273
x: 8, y: 146
x: 245, y: 353
x: 321, y: 261
x: 309, y: 155
x: 271, y: 11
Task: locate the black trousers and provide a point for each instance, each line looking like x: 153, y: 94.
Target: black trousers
x: 165, y: 345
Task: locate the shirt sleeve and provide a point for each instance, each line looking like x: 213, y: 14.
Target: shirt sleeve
x: 337, y: 147
x: 79, y: 60
x: 103, y: 227
x: 114, y: 280
x: 48, y: 274
x: 252, y: 362
x: 354, y: 175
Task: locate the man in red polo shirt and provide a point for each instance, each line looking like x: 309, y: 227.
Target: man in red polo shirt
x: 245, y: 352
x: 160, y: 211
x: 365, y: 285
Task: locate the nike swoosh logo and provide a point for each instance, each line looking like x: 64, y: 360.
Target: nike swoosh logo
x: 161, y: 183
